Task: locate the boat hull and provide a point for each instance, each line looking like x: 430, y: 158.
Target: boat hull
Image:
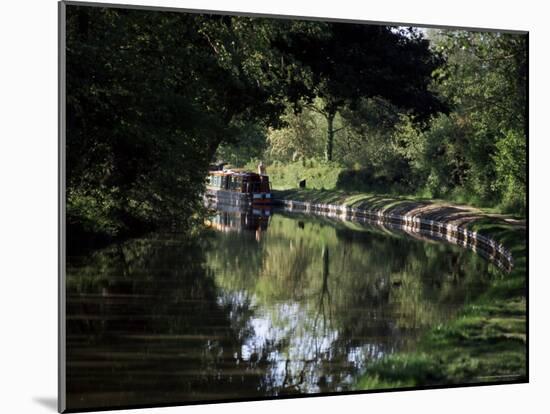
x: 237, y: 198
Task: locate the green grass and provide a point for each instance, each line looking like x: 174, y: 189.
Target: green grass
x: 318, y: 174
x: 355, y: 199
x: 334, y: 178
x: 486, y: 342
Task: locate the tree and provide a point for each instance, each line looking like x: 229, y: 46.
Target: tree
x: 249, y: 144
x: 300, y: 138
x: 150, y: 97
x: 485, y: 81
x: 349, y: 62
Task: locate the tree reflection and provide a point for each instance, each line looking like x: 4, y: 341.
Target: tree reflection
x: 145, y: 325
x: 327, y: 300
x: 324, y: 306
x: 304, y: 308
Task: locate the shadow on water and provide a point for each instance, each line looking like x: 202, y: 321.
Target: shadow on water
x: 263, y: 304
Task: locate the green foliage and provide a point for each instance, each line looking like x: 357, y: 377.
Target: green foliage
x: 475, y: 154
x: 363, y: 61
x: 301, y: 137
x: 318, y: 174
x: 436, y: 156
x: 363, y: 135
x: 389, y: 180
x: 154, y: 97
x: 250, y: 143
x: 365, y: 155
x: 510, y: 165
x: 150, y: 97
x: 485, y: 80
x: 93, y: 212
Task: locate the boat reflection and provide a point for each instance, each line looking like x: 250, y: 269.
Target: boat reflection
x: 231, y: 218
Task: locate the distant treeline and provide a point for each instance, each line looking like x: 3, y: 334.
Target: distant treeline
x: 154, y: 97
x: 474, y: 152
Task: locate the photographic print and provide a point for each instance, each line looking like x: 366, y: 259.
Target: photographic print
x: 257, y: 207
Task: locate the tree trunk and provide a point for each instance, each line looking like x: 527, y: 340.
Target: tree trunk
x: 330, y: 135
x: 212, y: 148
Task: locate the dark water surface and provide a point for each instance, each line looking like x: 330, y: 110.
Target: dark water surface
x: 260, y: 306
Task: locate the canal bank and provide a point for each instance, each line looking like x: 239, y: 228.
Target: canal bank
x: 487, y: 342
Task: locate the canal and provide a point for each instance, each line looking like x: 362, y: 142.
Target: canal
x: 262, y: 304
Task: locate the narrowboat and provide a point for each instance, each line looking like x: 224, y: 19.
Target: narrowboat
x: 238, y: 187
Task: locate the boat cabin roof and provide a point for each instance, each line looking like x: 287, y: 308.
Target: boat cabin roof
x: 237, y: 173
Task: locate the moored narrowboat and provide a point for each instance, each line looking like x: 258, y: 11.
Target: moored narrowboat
x: 238, y: 187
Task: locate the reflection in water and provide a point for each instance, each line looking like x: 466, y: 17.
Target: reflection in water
x: 265, y: 304
x: 234, y: 218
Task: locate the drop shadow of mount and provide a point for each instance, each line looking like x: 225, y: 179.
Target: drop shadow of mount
x: 48, y: 402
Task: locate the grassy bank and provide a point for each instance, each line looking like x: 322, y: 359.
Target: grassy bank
x: 332, y: 177
x: 387, y: 201
x: 487, y: 341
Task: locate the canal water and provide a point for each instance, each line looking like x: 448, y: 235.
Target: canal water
x: 263, y: 304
